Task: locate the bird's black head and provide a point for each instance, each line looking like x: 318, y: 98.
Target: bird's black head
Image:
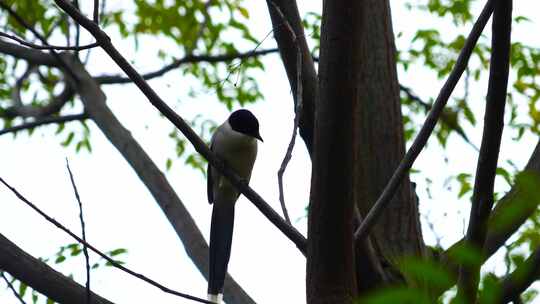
x: 245, y: 122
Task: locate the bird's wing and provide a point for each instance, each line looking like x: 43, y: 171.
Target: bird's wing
x: 209, y: 179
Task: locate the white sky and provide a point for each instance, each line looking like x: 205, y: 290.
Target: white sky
x: 119, y: 211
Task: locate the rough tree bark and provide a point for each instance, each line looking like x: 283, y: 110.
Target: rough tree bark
x: 378, y: 129
x: 330, y: 267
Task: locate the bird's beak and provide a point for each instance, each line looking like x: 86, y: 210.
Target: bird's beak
x: 259, y: 137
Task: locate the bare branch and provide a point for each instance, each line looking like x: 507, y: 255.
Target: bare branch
x: 43, y: 39
x: 94, y: 101
x: 98, y: 252
x: 430, y: 122
x: 482, y: 199
x: 288, y: 154
x: 48, y: 47
x: 285, y: 19
x: 96, y: 12
x: 32, y: 56
x: 115, y: 79
x: 12, y: 288
x: 41, y: 277
x: 518, y: 281
x: 293, y: 234
x: 445, y: 119
x: 45, y: 121
x: 83, y: 228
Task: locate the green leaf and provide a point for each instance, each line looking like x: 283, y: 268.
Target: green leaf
x: 60, y: 259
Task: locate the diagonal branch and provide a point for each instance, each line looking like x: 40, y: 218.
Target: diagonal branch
x: 116, y: 79
x: 12, y: 288
x: 430, y: 122
x: 32, y: 56
x: 48, y: 47
x: 296, y: 237
x: 482, y: 199
x: 95, y: 250
x: 44, y: 279
x: 155, y: 181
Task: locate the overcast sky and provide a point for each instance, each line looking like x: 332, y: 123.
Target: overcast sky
x: 120, y: 213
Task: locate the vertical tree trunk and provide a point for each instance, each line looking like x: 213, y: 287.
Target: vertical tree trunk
x: 379, y: 137
x: 330, y: 266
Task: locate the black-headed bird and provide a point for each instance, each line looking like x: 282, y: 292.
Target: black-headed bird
x: 234, y: 142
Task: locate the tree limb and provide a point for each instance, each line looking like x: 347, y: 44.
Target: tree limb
x: 32, y: 56
x: 288, y: 48
x: 45, y: 121
x: 41, y: 277
x: 48, y: 47
x: 296, y: 237
x: 196, y: 247
x: 98, y: 252
x: 117, y: 79
x: 430, y: 122
x: 482, y: 199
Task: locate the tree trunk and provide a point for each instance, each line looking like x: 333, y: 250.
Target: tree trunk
x: 380, y: 144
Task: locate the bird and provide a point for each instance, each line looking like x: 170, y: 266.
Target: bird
x: 235, y: 143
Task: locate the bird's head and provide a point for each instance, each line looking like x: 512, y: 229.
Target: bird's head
x: 243, y: 121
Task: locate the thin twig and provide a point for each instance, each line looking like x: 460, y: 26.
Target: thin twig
x: 200, y: 146
x: 444, y: 117
x: 288, y: 154
x: 482, y: 199
x: 45, y: 121
x: 43, y: 40
x: 12, y: 288
x: 98, y: 252
x: 48, y: 47
x: 116, y: 79
x: 96, y: 12
x: 83, y: 228
x: 429, y: 124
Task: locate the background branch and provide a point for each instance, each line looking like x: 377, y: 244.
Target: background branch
x: 296, y: 237
x: 83, y: 230
x: 288, y: 48
x: 45, y: 121
x: 116, y: 79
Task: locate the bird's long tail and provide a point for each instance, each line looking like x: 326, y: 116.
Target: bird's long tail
x: 221, y: 231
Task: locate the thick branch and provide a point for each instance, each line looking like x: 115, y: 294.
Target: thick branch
x: 288, y: 48
x: 482, y: 199
x: 199, y: 145
x: 114, y: 79
x: 32, y: 56
x: 429, y: 124
x: 93, y: 100
x: 518, y: 281
x: 41, y: 277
